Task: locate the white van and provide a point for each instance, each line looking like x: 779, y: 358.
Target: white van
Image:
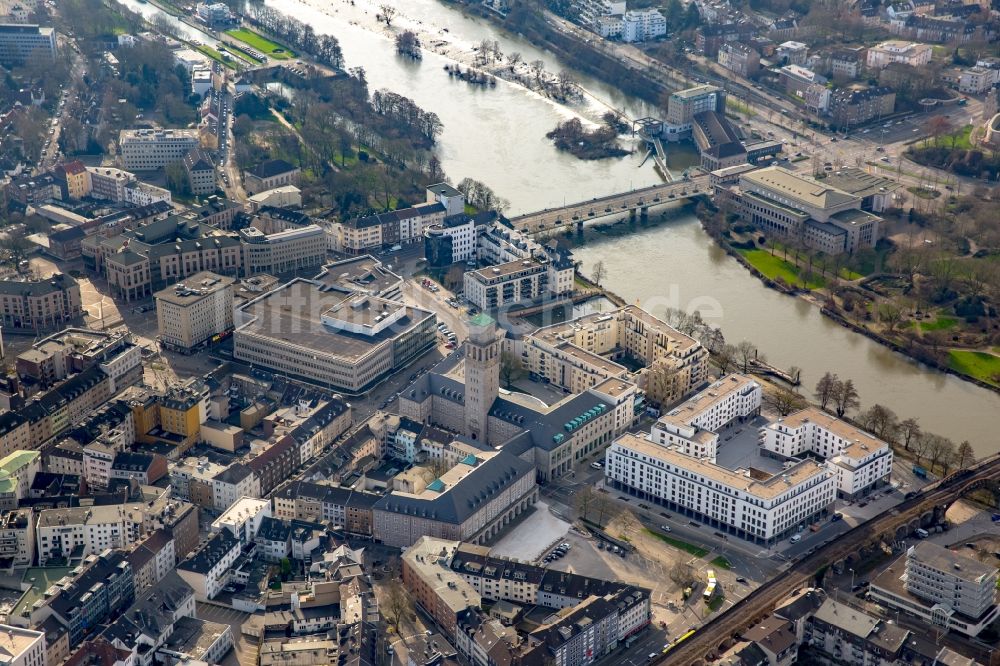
x: 795, y: 538
x: 921, y: 533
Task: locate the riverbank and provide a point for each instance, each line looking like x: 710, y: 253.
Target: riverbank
x: 810, y: 296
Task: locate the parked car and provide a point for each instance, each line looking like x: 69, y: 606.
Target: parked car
x: 665, y: 528
x: 795, y: 538
x: 597, y: 465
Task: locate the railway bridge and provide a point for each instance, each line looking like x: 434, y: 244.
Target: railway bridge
x: 634, y: 202
x: 926, y: 508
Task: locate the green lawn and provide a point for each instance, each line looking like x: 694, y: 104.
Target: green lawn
x: 697, y: 551
x: 216, y: 56
x: 235, y: 50
x: 261, y: 43
x: 981, y: 365
x: 722, y: 563
x: 939, y: 324
x: 775, y: 267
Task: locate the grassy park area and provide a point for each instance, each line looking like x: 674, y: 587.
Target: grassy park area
x: 775, y: 267
x: 261, y: 43
x: 981, y: 365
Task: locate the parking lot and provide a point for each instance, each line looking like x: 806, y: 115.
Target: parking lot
x: 244, y: 651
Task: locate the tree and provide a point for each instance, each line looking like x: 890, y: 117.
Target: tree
x: 965, y: 456
x: 537, y: 67
x: 909, y: 430
x: 890, y: 314
x: 746, y: 352
x: 601, y: 505
x: 725, y: 358
x: 682, y: 574
x: 600, y: 272
x: 177, y: 179
x: 937, y: 126
x: 880, y: 421
x: 584, y: 500
x: 397, y: 603
x: 627, y: 521
x: 939, y: 450
x: 386, y: 13
x: 454, y: 276
x: 408, y: 44
x: 514, y: 59
x: 662, y: 381
x: 511, y: 368
x: 845, y: 397
x: 784, y: 400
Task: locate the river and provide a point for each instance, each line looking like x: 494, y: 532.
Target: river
x: 497, y: 136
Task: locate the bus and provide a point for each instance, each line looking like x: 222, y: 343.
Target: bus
x: 710, y: 588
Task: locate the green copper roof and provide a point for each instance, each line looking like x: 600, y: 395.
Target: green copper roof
x: 18, y: 459
x: 481, y: 319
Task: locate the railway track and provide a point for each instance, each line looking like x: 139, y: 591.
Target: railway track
x: 706, y: 641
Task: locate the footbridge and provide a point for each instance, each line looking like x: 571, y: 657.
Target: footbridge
x: 928, y: 507
x: 633, y: 203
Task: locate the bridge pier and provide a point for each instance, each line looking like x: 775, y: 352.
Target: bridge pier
x: 644, y: 213
x: 631, y: 214
x: 579, y: 227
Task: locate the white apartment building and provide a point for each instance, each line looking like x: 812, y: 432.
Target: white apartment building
x: 942, y: 587
x: 592, y: 10
x: 17, y: 537
x: 143, y: 194
x: 243, y: 518
x: 22, y: 647
x: 109, y: 183
x: 693, y: 426
x: 235, y: 482
x: 758, y: 509
x: 861, y: 461
x: 97, y: 461
x: 146, y: 149
x: 519, y: 281
x: 284, y: 251
x: 94, y: 528
x: 640, y: 25
x: 192, y: 312
x: 908, y: 53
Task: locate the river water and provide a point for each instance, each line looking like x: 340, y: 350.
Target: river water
x: 497, y: 136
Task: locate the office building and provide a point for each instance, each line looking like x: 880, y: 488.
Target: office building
x: 779, y: 201
x: 908, y: 53
x: 861, y: 461
x: 792, y: 53
x: 684, y: 104
x: 20, y: 43
x: 293, y: 248
x: 147, y: 149
x: 717, y: 140
x: 473, y: 501
x: 581, y: 353
x: 456, y: 238
x: 196, y: 311
x: 40, y: 305
x: 343, y: 339
x: 940, y: 587
x: 758, y: 508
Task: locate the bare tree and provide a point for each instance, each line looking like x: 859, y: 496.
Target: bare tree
x: 746, y: 352
x: 600, y: 272
x: 881, y: 421
x: 784, y: 400
x: 909, y: 430
x: 398, y: 604
x: 920, y: 446
x: 537, y: 67
x: 511, y: 368
x: 965, y: 456
x: 725, y: 358
x: 682, y: 574
x: 890, y: 314
x: 585, y: 500
x: 386, y: 13
x: 627, y: 521
x: 845, y: 397
x: 601, y: 506
x: 940, y: 450
x: 514, y: 59
x: 825, y: 389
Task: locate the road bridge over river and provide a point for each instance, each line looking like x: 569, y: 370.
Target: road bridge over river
x: 929, y: 506
x: 636, y: 201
